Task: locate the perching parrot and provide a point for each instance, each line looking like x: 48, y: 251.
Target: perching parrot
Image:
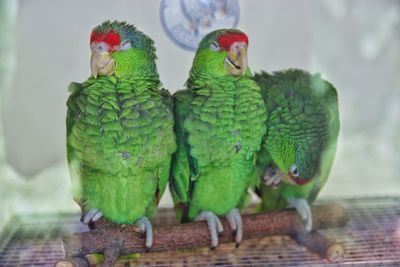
x: 219, y: 124
x: 120, y: 137
x: 299, y: 148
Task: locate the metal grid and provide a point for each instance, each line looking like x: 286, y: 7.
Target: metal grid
x: 372, y: 238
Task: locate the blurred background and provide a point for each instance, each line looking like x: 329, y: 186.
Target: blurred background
x: 44, y: 45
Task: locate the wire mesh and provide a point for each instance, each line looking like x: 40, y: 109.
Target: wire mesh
x: 372, y: 238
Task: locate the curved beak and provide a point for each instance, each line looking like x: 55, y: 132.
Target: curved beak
x: 290, y: 179
x: 286, y: 178
x: 101, y: 64
x: 300, y: 181
x: 236, y: 61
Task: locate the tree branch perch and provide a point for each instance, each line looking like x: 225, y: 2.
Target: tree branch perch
x: 114, y: 240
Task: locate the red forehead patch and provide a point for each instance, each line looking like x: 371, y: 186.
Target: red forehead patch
x: 225, y: 41
x: 110, y: 38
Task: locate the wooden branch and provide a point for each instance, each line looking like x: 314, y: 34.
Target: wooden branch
x: 114, y: 240
x: 323, y: 246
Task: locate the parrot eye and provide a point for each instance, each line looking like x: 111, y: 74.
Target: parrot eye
x: 294, y: 171
x: 214, y: 46
x: 126, y: 45
x: 100, y: 47
x: 237, y: 45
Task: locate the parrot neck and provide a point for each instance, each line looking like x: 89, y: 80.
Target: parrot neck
x: 199, y: 81
x: 135, y: 82
x: 142, y: 81
x: 139, y: 76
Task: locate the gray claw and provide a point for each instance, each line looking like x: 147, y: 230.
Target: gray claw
x: 271, y: 176
x: 97, y: 216
x: 146, y: 229
x: 92, y: 216
x: 214, y: 226
x: 304, y: 210
x: 236, y: 224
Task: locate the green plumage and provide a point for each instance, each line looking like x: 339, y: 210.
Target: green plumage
x: 302, y: 129
x: 120, y: 134
x: 220, y: 122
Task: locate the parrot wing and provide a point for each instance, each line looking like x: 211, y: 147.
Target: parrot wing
x: 168, y: 99
x: 164, y: 172
x: 183, y: 165
x: 329, y: 97
x: 74, y: 163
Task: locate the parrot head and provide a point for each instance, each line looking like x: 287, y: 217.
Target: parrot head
x: 222, y: 52
x: 119, y: 49
x: 298, y: 163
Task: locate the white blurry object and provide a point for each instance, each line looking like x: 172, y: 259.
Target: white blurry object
x: 10, y: 183
x: 8, y: 18
x: 380, y: 25
x: 8, y: 178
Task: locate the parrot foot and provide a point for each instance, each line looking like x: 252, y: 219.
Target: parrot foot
x: 271, y: 176
x: 214, y: 226
x: 235, y: 222
x: 146, y: 229
x: 92, y: 216
x: 304, y: 210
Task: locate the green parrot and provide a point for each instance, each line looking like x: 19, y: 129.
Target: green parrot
x: 219, y: 124
x: 120, y: 137
x: 299, y: 149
